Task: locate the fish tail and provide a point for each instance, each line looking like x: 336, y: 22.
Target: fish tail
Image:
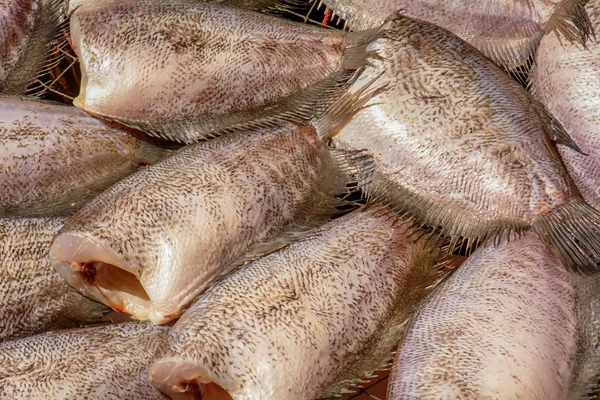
x: 572, y: 22
x: 150, y: 153
x: 42, y: 41
x: 572, y: 230
x: 331, y: 122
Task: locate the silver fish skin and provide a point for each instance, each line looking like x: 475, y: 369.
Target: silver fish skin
x: 55, y: 158
x: 510, y: 323
x: 566, y: 79
x: 33, y: 297
x: 105, y: 362
x: 507, y: 31
x: 27, y: 28
x: 309, y: 321
x: 151, y: 243
x: 459, y: 145
x: 194, y: 68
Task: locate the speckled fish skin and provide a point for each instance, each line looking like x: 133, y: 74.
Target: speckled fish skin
x: 507, y: 31
x: 566, y: 80
x: 152, y: 242
x: 56, y: 158
x: 510, y: 323
x: 191, y: 67
x: 460, y: 145
x: 106, y: 362
x: 26, y: 29
x: 303, y: 323
x: 33, y: 297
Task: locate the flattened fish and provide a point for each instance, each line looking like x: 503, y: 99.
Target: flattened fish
x: 507, y: 31
x: 566, y: 80
x: 33, y: 297
x: 151, y: 243
x: 107, y: 362
x: 307, y: 322
x: 510, y: 323
x: 186, y: 70
x: 56, y: 158
x: 462, y: 147
x: 27, y: 28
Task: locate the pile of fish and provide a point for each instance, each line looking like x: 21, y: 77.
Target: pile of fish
x: 278, y: 206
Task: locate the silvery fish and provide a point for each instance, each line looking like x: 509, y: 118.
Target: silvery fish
x: 507, y: 31
x: 310, y: 321
x: 510, y: 323
x: 106, y: 362
x: 55, y: 158
x: 151, y: 243
x: 186, y: 70
x: 33, y: 297
x: 566, y: 79
x: 460, y: 146
x: 27, y: 29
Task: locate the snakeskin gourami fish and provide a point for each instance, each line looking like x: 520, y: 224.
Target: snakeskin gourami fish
x: 507, y: 31
x: 511, y: 322
x: 307, y: 322
x: 566, y: 80
x: 33, y: 297
x: 186, y: 70
x: 105, y: 362
x: 460, y: 146
x: 151, y: 243
x: 56, y: 158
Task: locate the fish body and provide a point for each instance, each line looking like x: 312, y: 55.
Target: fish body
x: 566, y: 79
x: 459, y: 145
x: 509, y: 323
x: 55, y: 158
x: 194, y: 68
x: 307, y: 322
x: 33, y: 297
x: 105, y: 362
x: 151, y: 243
x: 27, y: 28
x: 507, y: 31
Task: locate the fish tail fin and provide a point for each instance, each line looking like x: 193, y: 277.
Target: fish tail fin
x: 150, y: 153
x: 572, y: 22
x: 40, y: 44
x: 572, y: 230
x: 330, y: 122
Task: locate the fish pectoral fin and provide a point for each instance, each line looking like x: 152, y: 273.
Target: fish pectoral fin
x: 572, y: 22
x: 572, y: 230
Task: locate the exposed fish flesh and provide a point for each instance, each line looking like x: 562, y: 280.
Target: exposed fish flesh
x: 307, y: 322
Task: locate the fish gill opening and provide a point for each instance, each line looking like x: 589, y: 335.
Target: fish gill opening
x: 111, y: 278
x: 202, y: 391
